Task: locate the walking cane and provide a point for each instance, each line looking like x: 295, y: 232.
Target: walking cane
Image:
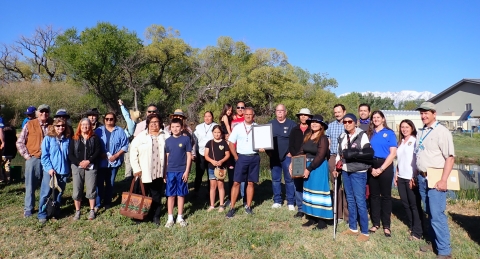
x: 335, y: 210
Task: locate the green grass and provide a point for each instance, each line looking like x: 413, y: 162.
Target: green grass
x: 466, y: 148
x: 267, y: 234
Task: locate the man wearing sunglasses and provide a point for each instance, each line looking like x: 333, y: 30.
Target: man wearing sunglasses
x: 29, y: 146
x: 335, y: 129
x: 141, y: 126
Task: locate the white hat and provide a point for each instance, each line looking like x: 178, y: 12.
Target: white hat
x: 304, y: 111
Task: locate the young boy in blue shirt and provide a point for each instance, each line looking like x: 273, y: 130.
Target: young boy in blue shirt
x: 179, y: 159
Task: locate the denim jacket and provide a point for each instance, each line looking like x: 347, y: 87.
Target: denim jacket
x: 129, y: 130
x: 55, y: 155
x: 118, y: 141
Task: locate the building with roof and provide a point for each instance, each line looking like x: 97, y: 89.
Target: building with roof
x: 394, y: 117
x: 460, y: 97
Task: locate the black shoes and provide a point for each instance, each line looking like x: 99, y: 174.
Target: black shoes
x: 299, y: 215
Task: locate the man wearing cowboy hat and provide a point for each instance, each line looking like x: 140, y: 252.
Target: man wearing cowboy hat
x: 93, y: 115
x: 295, y: 142
x: 280, y: 158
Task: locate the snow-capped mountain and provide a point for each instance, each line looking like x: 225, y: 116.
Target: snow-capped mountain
x: 405, y: 95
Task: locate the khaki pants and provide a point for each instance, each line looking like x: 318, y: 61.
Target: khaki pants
x: 342, y: 209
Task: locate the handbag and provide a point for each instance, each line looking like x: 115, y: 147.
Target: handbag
x: 220, y: 172
x: 52, y: 207
x: 135, y: 206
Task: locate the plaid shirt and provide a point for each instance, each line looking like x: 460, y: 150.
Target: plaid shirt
x: 335, y: 129
x: 22, y: 140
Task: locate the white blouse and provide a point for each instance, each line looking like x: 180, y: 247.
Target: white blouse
x: 406, y: 159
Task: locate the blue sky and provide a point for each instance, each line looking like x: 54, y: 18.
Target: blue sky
x: 365, y: 45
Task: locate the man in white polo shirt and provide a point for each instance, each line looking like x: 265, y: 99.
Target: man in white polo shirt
x: 247, y: 167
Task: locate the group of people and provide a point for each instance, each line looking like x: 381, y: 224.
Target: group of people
x: 356, y: 152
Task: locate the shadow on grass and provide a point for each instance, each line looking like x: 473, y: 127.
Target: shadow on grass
x: 469, y: 224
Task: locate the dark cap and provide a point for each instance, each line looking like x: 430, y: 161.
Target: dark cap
x: 351, y: 116
x: 30, y: 110
x: 93, y: 111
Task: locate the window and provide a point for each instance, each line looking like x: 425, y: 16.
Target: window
x: 468, y: 106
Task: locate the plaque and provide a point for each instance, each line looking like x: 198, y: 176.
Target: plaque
x: 298, y: 166
x: 262, y: 137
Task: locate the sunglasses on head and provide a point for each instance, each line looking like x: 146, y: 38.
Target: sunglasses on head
x: 347, y: 122
x: 241, y: 107
x: 154, y: 111
x: 109, y: 119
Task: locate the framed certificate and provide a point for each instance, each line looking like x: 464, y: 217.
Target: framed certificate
x: 262, y: 137
x: 298, y: 166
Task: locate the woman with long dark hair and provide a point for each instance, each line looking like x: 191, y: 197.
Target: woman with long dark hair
x: 226, y: 118
x: 54, y: 161
x: 317, y: 201
x: 406, y: 175
x: 384, y: 143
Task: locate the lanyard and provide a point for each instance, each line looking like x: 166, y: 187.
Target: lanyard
x: 206, y: 130
x: 422, y: 137
x: 245, y: 126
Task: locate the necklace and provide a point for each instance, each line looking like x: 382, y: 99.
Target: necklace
x: 245, y: 126
x: 206, y: 130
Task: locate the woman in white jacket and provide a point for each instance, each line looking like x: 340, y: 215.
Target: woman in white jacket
x: 148, y: 159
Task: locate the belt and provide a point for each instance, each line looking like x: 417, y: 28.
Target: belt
x: 254, y: 154
x: 424, y: 174
x: 378, y: 158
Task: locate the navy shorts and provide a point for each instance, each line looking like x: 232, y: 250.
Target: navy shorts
x: 175, y: 185
x: 247, y: 169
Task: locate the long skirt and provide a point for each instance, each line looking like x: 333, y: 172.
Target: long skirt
x: 317, y: 200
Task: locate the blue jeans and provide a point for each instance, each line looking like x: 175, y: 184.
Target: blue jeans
x: 277, y: 168
x: 435, y: 205
x: 354, y: 184
x: 298, y: 182
x: 33, y: 178
x: 45, y: 192
x: 105, y: 182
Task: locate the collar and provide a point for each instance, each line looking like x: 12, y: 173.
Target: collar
x: 431, y: 127
x: 367, y: 121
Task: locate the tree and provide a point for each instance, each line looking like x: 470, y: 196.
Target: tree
x: 410, y: 105
x: 94, y: 58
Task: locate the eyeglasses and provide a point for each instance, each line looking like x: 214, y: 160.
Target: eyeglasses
x: 347, y: 122
x: 109, y: 119
x: 44, y: 111
x: 154, y: 111
x: 241, y: 107
x: 60, y: 125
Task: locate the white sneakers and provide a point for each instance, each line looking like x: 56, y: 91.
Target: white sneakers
x: 181, y: 222
x: 276, y: 205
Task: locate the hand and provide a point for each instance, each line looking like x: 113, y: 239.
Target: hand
x: 335, y: 173
x: 395, y: 182
x: 290, y: 170
x: 193, y: 158
x: 289, y: 155
x: 226, y: 136
x: 218, y: 163
x: 138, y: 174
x: 185, y: 177
x: 165, y: 180
x: 306, y: 173
x: 441, y: 186
x: 261, y: 150
x: 411, y: 184
x: 120, y: 102
x: 84, y: 164
x: 2, y: 145
x: 113, y: 158
x: 27, y: 157
x: 51, y: 172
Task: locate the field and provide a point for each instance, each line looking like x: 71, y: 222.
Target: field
x: 268, y: 233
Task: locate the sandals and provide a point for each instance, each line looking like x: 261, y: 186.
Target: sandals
x: 373, y: 229
x: 387, y: 234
